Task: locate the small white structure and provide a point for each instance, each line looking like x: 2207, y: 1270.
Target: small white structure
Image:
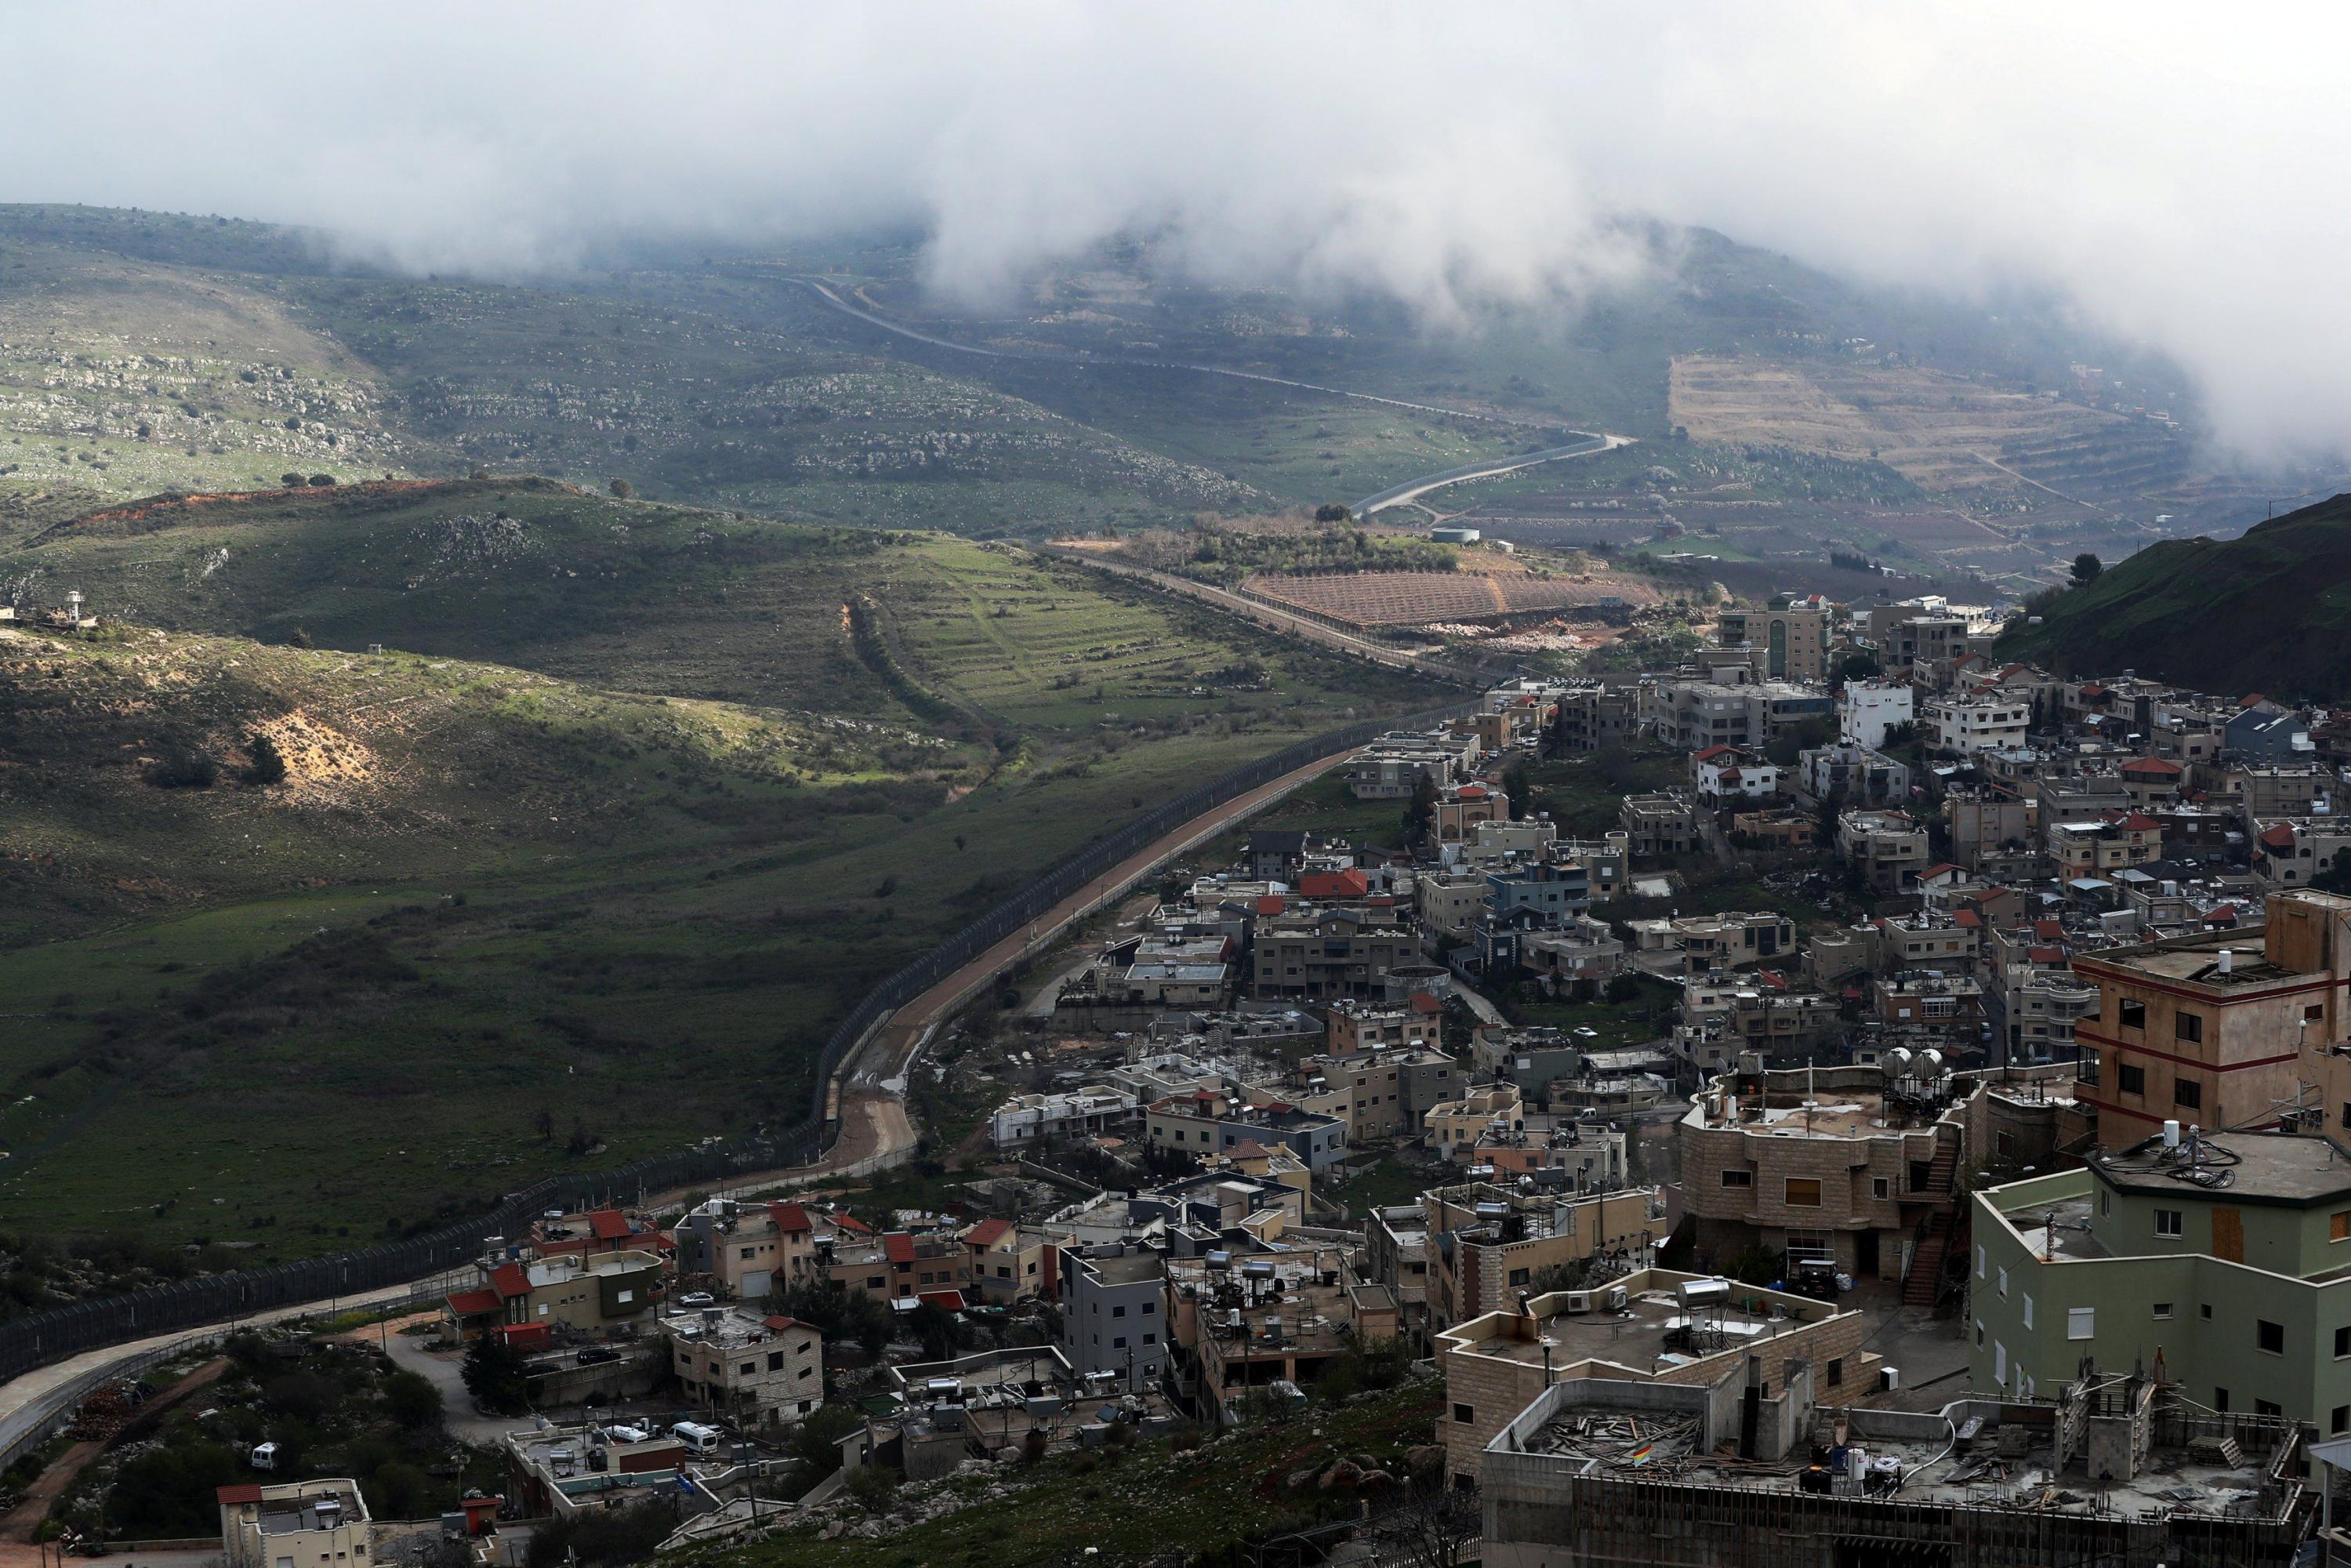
x: 1865, y: 711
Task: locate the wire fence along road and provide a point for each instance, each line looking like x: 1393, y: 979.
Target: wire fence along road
x: 1413, y: 489
x: 46, y: 1337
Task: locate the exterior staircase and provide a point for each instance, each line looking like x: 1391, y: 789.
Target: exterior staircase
x: 1926, y: 1261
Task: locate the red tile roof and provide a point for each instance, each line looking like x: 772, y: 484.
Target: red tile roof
x: 2045, y: 955
x: 988, y: 1232
x: 243, y: 1491
x: 472, y: 1303
x: 2279, y: 837
x: 510, y: 1279
x: 849, y: 1222
x: 1967, y: 917
x: 1939, y: 869
x: 1348, y: 883
x: 2050, y: 928
x: 1422, y: 1002
x: 1248, y: 1149
x: 1271, y: 903
x: 608, y: 1225
x: 779, y: 1323
x: 952, y: 1300
x: 790, y: 1217
x: 898, y: 1247
x: 1712, y: 752
x: 2150, y: 767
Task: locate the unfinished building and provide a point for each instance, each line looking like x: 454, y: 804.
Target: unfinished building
x: 1595, y: 1473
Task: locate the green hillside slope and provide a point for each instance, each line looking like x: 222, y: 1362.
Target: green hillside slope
x: 2270, y: 612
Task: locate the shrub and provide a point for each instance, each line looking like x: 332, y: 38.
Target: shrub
x: 183, y: 770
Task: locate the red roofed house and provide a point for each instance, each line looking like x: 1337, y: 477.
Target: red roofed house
x: 2150, y: 780
x: 1727, y: 773
x: 1006, y: 1263
x: 2289, y: 853
x: 748, y: 1250
x: 1335, y: 884
x: 2110, y: 842
x: 903, y: 1266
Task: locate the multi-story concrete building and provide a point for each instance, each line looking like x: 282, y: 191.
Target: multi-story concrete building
x: 1208, y: 1124
x: 1660, y: 824
x: 1858, y: 1165
x: 1632, y: 1327
x: 1244, y: 1323
x: 1112, y: 1327
x: 1852, y: 774
x: 1867, y: 709
x: 1695, y: 944
x: 1486, y: 1243
x: 1324, y: 955
x: 2217, y: 1261
x: 1792, y: 634
x: 2211, y: 1028
x: 750, y: 1249
x: 1548, y: 895
x: 1727, y: 774
x: 755, y: 1368
x: 1971, y: 725
x: 1601, y: 1472
x: 2104, y: 844
x: 1396, y: 1239
x: 1888, y: 849
x: 901, y: 1266
x: 1986, y: 824
x: 296, y: 1523
x: 1379, y: 1093
x: 1027, y: 1121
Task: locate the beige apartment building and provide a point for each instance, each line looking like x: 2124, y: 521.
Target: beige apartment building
x: 2218, y: 1029
x: 1485, y: 1243
x: 755, y: 1368
x: 1645, y: 1327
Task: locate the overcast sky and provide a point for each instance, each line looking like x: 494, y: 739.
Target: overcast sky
x: 2180, y: 174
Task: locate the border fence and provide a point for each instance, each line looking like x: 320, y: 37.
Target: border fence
x: 52, y: 1335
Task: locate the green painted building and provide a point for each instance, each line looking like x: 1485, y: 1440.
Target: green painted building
x: 2226, y: 1259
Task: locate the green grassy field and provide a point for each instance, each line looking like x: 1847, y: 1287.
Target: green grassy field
x: 499, y: 920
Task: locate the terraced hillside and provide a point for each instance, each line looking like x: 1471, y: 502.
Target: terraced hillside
x: 1950, y: 436
x: 580, y: 870
x: 2270, y: 612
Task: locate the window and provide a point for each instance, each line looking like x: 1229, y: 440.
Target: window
x: 2130, y: 1014
x: 2081, y: 1323
x: 1979, y: 1333
x: 2315, y: 1013
x: 1151, y: 1339
x: 2189, y: 1093
x: 2341, y: 1342
x: 2220, y: 1399
x: 2003, y: 1285
x: 2204, y: 1311
x: 2338, y: 1225
x: 1803, y: 1192
x: 775, y: 1361
x: 1150, y: 1308
x: 2130, y: 1080
x: 2106, y: 1203
x: 2167, y: 1222
x: 1881, y: 1189
x: 1463, y: 1414
x: 2028, y: 1309
x: 1520, y: 1276
x: 1119, y: 1310
x: 2163, y: 1312
x: 1837, y: 1372
x: 2340, y: 1421
x: 2187, y: 1026
x: 2269, y: 1337
x: 2267, y: 1407
x: 1738, y: 1178
x: 1118, y: 1344
x: 1980, y: 1262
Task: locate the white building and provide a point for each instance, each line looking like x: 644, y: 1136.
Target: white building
x: 1727, y: 773
x: 298, y: 1523
x: 1026, y: 1119
x: 1992, y: 725
x: 1867, y: 711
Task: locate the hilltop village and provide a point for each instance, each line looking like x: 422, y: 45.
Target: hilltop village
x: 1843, y: 1071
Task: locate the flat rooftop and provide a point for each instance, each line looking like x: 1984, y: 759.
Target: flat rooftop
x: 2197, y: 958
x: 292, y: 1515
x: 2278, y: 1167
x: 1999, y: 1466
x: 1652, y: 1334
x: 1131, y: 1269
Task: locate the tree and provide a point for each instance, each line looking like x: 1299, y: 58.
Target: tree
x: 411, y: 1400
x: 2086, y: 567
x: 1622, y: 989
x: 622, y: 489
x: 816, y: 1442
x: 1420, y: 814
x: 1520, y: 787
x: 493, y: 1372
x: 323, y: 481
x: 1332, y: 513
x: 268, y: 764
x: 1433, y: 1528
x: 291, y: 481
x: 1860, y: 665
